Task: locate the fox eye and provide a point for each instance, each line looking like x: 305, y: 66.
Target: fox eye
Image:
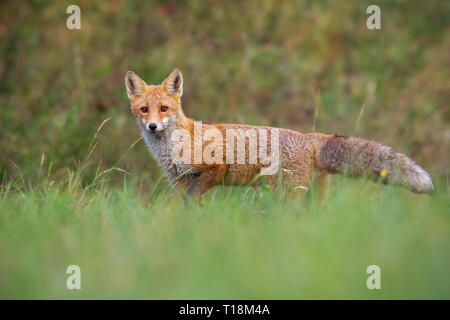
x: 144, y: 109
x: 164, y: 108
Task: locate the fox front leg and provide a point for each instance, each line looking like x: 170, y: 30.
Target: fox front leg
x: 206, y: 180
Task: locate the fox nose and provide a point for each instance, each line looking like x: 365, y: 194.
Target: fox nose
x: 153, y: 126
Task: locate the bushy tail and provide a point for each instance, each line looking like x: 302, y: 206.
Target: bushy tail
x: 357, y: 156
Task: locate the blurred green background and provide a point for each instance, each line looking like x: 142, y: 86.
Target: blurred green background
x: 258, y: 62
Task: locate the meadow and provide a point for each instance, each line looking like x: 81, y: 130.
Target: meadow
x: 78, y: 187
x: 242, y: 243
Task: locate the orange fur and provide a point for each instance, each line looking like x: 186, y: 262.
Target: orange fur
x: 301, y: 155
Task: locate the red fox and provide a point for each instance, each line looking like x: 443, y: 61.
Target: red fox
x: 198, y: 157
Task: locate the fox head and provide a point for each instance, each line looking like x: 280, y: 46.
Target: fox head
x: 157, y: 107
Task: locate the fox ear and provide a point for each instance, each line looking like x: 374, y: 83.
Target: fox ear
x: 135, y: 85
x: 174, y: 82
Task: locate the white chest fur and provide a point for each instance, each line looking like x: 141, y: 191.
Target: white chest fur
x: 161, y: 147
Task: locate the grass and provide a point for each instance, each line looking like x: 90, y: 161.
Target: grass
x: 242, y: 243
